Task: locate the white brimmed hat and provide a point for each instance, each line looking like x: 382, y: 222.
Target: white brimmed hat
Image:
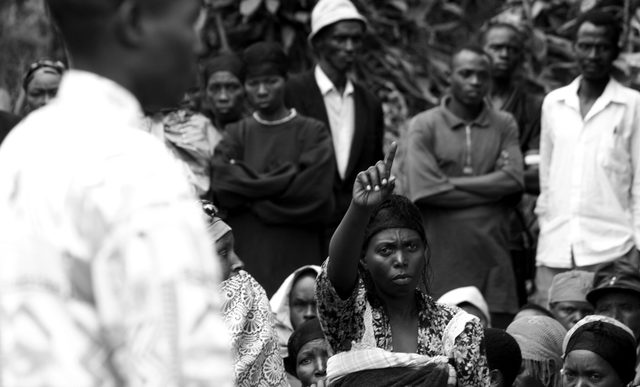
x: 327, y: 12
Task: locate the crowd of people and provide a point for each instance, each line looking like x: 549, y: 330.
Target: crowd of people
x: 260, y: 239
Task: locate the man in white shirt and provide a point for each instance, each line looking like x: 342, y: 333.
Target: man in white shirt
x: 347, y: 108
x: 106, y: 273
x: 589, y: 207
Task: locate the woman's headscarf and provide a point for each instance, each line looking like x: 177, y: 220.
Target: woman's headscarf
x: 608, y: 338
x: 281, y: 308
x: 55, y: 67
x: 540, y: 340
x: 309, y: 330
x: 470, y: 295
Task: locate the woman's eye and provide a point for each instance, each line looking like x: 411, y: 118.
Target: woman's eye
x: 412, y: 247
x: 305, y: 361
x: 595, y: 377
x: 223, y: 253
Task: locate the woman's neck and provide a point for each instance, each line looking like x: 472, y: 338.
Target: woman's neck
x: 404, y: 306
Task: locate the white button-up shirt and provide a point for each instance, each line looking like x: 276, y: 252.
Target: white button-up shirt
x: 107, y: 276
x: 589, y: 177
x: 341, y: 113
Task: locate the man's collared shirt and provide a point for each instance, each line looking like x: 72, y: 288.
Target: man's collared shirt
x: 106, y: 273
x: 341, y: 113
x: 589, y: 206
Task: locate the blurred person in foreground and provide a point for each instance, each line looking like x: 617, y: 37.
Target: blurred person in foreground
x: 589, y: 204
x: 272, y: 175
x: 464, y: 167
x: 506, y: 45
x: 224, y: 101
x: 373, y: 302
x: 540, y: 341
x: 599, y: 351
x: 568, y: 297
x: 247, y: 313
x: 107, y: 277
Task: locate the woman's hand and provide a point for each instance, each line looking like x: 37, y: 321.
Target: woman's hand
x: 376, y: 183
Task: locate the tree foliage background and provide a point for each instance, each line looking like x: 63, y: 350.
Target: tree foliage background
x: 407, y: 47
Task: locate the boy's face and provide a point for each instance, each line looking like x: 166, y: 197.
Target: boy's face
x: 470, y: 77
x: 266, y: 93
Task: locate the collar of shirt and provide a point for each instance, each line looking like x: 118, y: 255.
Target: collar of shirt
x: 611, y: 94
x: 326, y: 86
x: 454, y: 122
x: 88, y: 91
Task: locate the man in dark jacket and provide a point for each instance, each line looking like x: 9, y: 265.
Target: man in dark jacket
x: 326, y: 93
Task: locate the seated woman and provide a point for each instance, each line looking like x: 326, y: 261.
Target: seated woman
x: 273, y: 175
x: 540, y: 341
x: 247, y: 314
x: 599, y: 351
x: 369, y: 298
x: 308, y: 352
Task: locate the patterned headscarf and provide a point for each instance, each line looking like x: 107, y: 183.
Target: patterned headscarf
x: 540, y: 340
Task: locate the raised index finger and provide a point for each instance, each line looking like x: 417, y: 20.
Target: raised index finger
x: 388, y: 159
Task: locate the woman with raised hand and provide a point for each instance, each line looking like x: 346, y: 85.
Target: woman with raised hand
x: 372, y: 297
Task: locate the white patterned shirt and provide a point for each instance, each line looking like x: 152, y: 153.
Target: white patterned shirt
x: 106, y: 273
x: 589, y: 203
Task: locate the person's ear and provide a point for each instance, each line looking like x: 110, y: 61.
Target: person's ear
x: 128, y: 23
x: 497, y: 380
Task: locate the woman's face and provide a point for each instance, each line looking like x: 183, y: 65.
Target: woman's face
x: 311, y: 362
x: 229, y: 261
x: 587, y: 369
x: 302, y: 300
x: 225, y: 95
x: 42, y: 88
x: 395, y: 258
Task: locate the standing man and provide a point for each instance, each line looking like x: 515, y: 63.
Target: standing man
x: 463, y: 163
x: 107, y: 276
x: 328, y: 93
x: 589, y: 205
x: 505, y: 44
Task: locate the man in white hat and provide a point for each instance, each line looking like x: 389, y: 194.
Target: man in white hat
x: 327, y: 93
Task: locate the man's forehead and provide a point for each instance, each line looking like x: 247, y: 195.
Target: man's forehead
x: 347, y: 27
x: 591, y: 31
x: 467, y: 59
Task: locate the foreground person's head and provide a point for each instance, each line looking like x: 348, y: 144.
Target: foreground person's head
x: 599, y: 351
x: 40, y: 83
x: 470, y: 300
x: 503, y: 357
x: 395, y: 249
x: 146, y: 46
x: 540, y: 340
x: 308, y: 353
x: 568, y: 297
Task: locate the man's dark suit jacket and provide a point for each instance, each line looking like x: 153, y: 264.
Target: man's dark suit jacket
x: 303, y: 94
x: 7, y: 122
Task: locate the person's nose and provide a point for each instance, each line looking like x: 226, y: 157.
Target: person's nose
x: 349, y: 45
x: 310, y: 312
x: 262, y: 89
x: 320, y: 367
x: 223, y: 96
x: 474, y: 80
x: 400, y: 259
x: 236, y: 263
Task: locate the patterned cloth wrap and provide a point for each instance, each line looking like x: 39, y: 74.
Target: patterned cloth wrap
x: 255, y: 343
x: 365, y: 364
x: 377, y: 367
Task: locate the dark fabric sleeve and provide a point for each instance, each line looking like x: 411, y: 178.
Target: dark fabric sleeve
x: 512, y: 161
x: 342, y: 320
x: 423, y: 173
x: 234, y: 183
x: 308, y: 197
x: 531, y: 132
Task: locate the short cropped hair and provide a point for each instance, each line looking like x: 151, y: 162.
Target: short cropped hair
x: 476, y: 49
x: 604, y: 19
x: 503, y: 354
x: 495, y: 25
